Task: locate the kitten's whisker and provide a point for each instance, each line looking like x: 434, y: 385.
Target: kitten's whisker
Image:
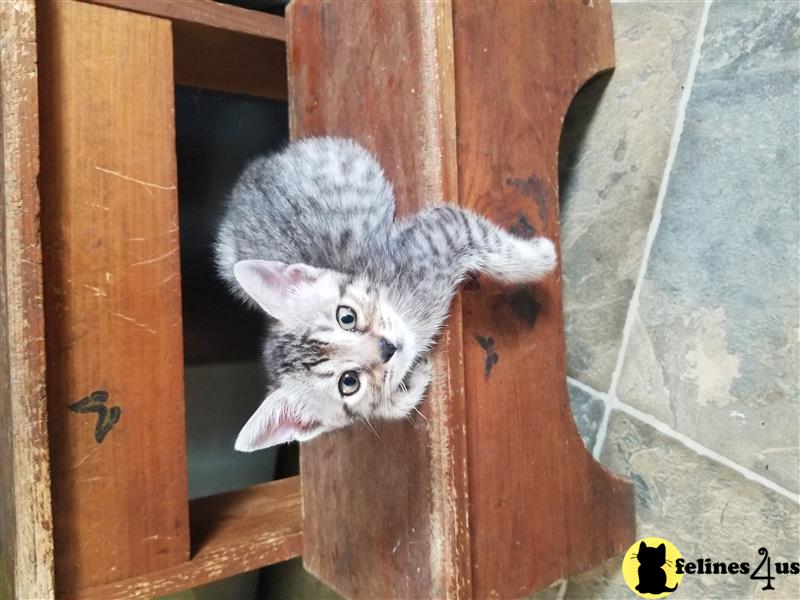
x: 419, y: 413
x: 366, y: 420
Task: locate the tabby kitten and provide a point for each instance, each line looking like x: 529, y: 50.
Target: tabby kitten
x: 356, y: 298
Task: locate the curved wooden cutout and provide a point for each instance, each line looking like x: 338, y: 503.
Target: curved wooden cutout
x: 391, y: 517
x: 541, y: 508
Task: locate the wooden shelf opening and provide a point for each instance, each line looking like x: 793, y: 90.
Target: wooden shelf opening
x: 231, y: 533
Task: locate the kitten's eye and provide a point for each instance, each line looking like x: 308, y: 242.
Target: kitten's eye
x: 349, y: 383
x: 346, y: 317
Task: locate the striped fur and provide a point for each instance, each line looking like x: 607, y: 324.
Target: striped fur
x: 321, y: 213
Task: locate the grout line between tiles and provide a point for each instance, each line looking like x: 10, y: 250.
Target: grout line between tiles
x: 612, y: 402
x: 562, y: 590
x: 633, y: 306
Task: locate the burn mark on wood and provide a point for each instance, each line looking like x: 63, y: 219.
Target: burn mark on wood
x: 524, y: 305
x: 107, y: 416
x: 487, y: 343
x: 523, y: 228
x: 534, y: 188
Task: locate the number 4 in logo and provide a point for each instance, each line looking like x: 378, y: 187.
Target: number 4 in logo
x: 769, y: 576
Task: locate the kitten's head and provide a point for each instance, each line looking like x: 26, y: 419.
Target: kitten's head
x: 335, y: 353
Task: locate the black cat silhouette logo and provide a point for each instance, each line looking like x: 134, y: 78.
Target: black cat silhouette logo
x: 649, y: 568
x: 107, y: 416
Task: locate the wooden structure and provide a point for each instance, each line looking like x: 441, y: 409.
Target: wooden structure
x: 492, y: 494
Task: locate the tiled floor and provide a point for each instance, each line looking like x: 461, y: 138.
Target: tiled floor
x: 681, y: 243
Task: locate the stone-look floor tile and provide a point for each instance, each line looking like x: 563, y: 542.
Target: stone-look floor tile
x: 612, y: 160
x: 714, y: 352
x: 587, y: 410
x: 704, y: 508
x: 548, y: 593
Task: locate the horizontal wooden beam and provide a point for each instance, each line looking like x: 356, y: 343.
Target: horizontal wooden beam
x: 232, y: 533
x: 207, y: 13
x: 227, y: 61
x: 221, y: 47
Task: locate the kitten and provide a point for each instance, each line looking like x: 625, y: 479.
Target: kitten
x: 356, y: 298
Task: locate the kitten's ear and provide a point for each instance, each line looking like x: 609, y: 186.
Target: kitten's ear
x: 270, y: 425
x: 642, y: 547
x: 662, y: 549
x: 269, y: 283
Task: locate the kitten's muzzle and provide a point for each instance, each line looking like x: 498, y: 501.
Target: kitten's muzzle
x: 387, y: 349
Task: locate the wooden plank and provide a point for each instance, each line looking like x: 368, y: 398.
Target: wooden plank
x: 112, y: 294
x: 218, y: 59
x: 385, y: 517
x: 538, y: 501
x: 221, y: 47
x: 207, y: 13
x: 26, y: 543
x: 232, y: 533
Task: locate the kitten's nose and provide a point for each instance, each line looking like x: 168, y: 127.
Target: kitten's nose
x: 387, y: 349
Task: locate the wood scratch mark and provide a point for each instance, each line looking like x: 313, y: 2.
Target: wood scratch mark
x: 100, y: 206
x: 156, y: 259
x: 146, y: 184
x: 85, y: 458
x: 134, y: 321
x: 98, y: 292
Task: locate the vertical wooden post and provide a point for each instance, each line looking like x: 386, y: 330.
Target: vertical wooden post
x: 112, y: 295
x: 387, y: 516
x: 402, y: 78
x: 26, y: 542
x: 540, y: 507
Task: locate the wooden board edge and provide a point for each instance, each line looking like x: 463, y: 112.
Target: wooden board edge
x: 207, y: 13
x: 617, y: 490
x: 217, y: 557
x: 447, y: 399
x: 26, y: 531
x: 602, y: 68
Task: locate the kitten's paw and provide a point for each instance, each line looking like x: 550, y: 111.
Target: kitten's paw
x: 419, y: 377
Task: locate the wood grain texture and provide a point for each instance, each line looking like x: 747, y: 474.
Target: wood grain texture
x: 231, y: 533
x: 26, y: 544
x: 207, y: 13
x: 112, y: 293
x: 221, y: 47
x: 218, y: 59
x: 540, y: 507
x: 385, y: 513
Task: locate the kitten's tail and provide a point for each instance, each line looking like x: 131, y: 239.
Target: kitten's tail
x: 520, y: 261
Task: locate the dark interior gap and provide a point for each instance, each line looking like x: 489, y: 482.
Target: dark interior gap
x: 217, y: 134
